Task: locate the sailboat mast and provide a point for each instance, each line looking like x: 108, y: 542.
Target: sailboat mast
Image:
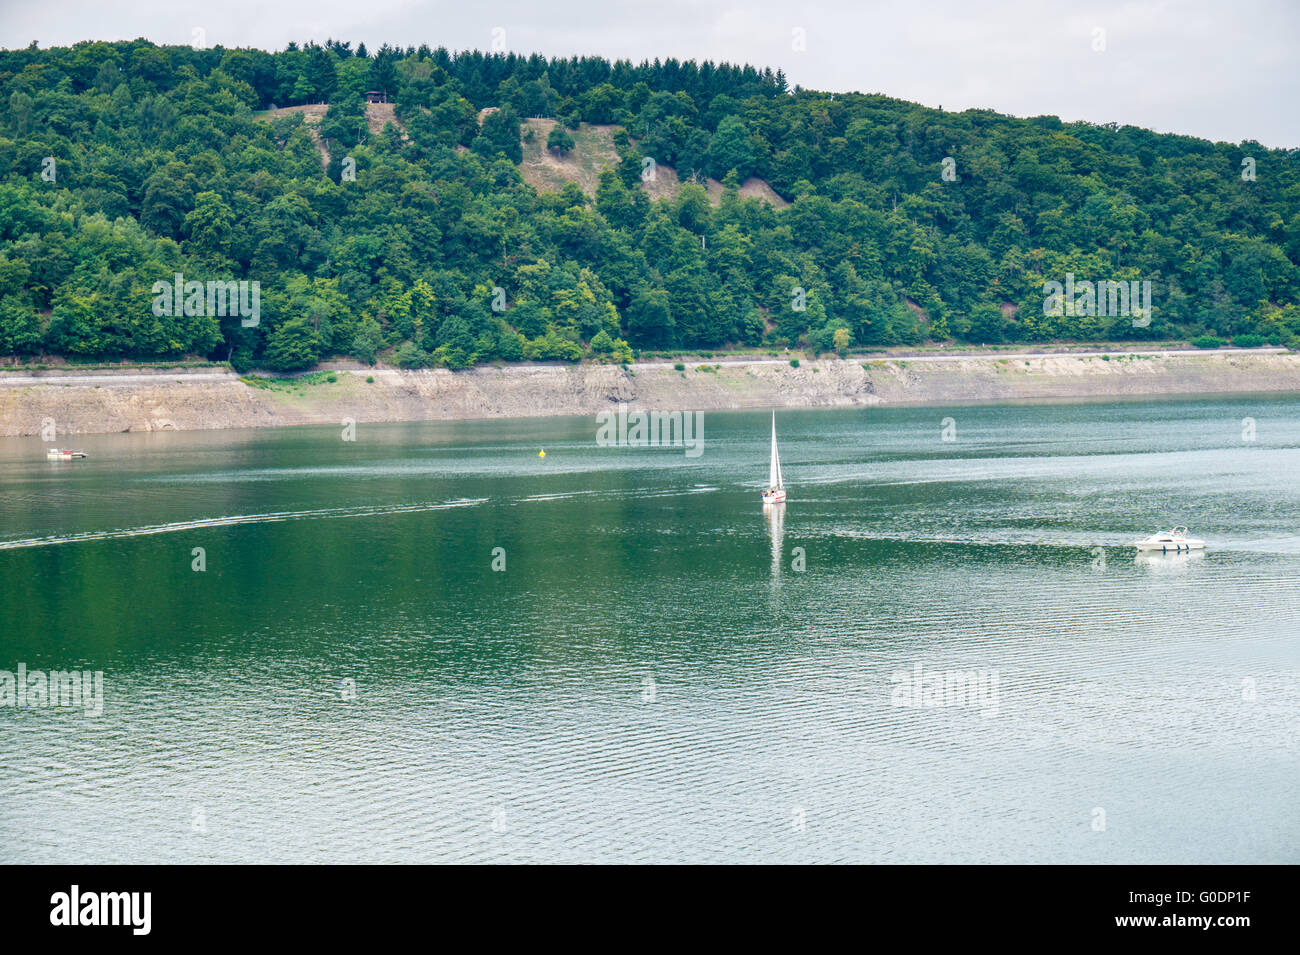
x: 774, y: 469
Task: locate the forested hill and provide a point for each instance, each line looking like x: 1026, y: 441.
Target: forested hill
x: 124, y: 164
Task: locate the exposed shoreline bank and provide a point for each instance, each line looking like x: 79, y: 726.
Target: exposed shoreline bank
x: 108, y: 401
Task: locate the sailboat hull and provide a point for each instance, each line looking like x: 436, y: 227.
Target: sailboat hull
x: 774, y: 497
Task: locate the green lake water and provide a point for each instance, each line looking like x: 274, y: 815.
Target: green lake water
x: 663, y: 672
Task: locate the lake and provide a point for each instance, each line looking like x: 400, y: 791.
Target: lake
x: 431, y: 644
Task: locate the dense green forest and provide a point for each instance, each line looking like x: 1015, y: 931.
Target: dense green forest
x: 123, y: 164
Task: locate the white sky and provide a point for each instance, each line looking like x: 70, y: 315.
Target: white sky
x: 1222, y: 70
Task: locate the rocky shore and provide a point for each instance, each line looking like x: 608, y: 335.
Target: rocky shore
x: 80, y: 402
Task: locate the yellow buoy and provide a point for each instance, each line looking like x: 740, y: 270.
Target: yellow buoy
x: 541, y: 454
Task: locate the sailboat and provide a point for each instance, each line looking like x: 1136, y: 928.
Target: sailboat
x: 775, y: 493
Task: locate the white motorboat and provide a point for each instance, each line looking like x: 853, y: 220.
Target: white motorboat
x: 60, y: 454
x: 1173, y: 541
x: 775, y: 491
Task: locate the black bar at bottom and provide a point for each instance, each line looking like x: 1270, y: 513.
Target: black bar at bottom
x: 333, y: 906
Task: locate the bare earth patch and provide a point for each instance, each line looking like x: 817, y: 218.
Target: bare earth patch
x: 312, y: 113
x: 594, y: 152
x: 667, y: 184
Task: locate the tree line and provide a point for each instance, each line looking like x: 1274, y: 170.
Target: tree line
x: 124, y: 164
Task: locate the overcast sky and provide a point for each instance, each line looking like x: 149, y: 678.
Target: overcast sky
x: 1222, y: 70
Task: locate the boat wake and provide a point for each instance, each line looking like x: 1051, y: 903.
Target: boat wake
x: 375, y: 510
x: 236, y: 520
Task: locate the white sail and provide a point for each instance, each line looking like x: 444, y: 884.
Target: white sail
x: 774, y: 470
